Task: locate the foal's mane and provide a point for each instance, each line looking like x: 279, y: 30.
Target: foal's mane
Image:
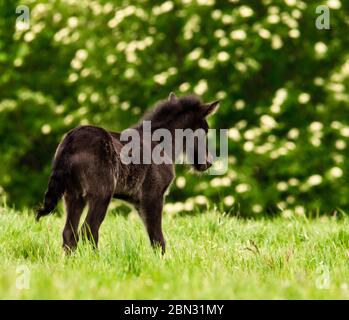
x: 167, y: 110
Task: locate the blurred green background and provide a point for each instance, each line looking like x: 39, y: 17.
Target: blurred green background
x: 283, y: 84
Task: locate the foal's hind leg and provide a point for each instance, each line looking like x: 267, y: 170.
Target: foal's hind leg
x: 74, y: 208
x: 95, y: 216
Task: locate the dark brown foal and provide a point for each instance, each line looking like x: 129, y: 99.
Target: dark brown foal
x: 88, y: 169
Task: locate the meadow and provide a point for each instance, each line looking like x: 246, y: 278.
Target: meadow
x: 281, y: 72
x: 209, y: 255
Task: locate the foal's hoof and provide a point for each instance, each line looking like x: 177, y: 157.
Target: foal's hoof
x: 68, y: 250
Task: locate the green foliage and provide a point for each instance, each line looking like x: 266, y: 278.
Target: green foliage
x: 283, y: 85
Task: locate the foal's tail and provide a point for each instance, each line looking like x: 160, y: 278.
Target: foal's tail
x: 55, y: 190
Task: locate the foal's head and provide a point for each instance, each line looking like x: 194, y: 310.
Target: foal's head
x: 187, y: 113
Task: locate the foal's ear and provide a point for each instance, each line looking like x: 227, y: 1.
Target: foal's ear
x: 211, y: 108
x: 172, y: 97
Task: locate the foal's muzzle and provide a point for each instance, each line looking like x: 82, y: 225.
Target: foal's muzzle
x: 205, y: 166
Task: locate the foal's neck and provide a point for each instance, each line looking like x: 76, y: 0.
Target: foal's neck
x: 171, y: 126
x: 155, y: 125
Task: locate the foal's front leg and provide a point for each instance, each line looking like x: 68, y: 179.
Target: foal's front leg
x: 151, y: 212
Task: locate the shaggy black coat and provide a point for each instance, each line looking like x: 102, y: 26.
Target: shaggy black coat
x: 87, y: 169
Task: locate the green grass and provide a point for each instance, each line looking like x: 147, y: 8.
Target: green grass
x: 209, y: 256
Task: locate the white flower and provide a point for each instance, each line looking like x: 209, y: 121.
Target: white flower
x: 319, y: 81
x: 178, y: 206
x: 287, y: 213
x: 264, y: 33
x: 248, y: 146
x: 216, y: 14
x: 316, y: 126
x: 293, y: 182
x: 223, y: 56
x: 245, y: 11
x: 205, y: 64
x: 206, y: 2
x: 304, y: 98
x: 76, y: 64
x: 166, y: 6
x: 234, y: 134
x: 240, y: 104
x: 219, y: 33
x: 111, y: 59
x: 160, y: 78
x: 46, y: 129
x: 201, y: 87
x: 273, y: 19
x: 268, y: 122
x: 180, y: 182
x: 291, y: 2
x: 29, y: 36
x: 195, y: 54
x: 281, y: 95
x: 188, y: 206
x: 200, y: 199
x: 293, y: 133
x: 334, y: 4
x: 345, y: 132
x: 229, y: 200
x: 341, y: 144
x: 315, y: 180
x: 320, y: 48
x: 242, y: 187
x: 282, y: 186
x: 185, y: 86
x: 336, y: 125
x: 238, y: 35
x: 81, y: 54
x: 294, y: 33
x: 336, y: 172
x: 73, y: 22
x: 250, y: 134
x: 300, y: 211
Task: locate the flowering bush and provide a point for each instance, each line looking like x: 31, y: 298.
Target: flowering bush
x: 283, y: 84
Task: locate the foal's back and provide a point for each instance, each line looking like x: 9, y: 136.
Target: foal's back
x: 94, y: 164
